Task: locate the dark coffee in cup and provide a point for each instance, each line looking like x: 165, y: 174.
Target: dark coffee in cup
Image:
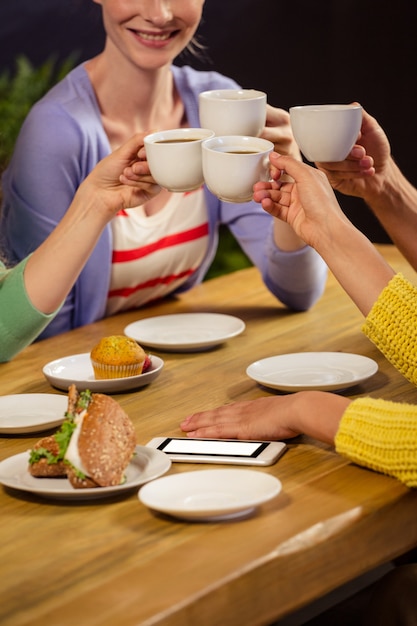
x: 174, y: 157
x: 177, y: 140
x: 242, y: 151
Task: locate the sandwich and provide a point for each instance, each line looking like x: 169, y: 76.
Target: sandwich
x: 93, y: 446
x: 46, y: 459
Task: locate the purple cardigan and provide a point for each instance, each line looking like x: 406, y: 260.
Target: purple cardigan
x: 61, y: 141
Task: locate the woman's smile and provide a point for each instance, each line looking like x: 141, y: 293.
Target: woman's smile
x: 155, y: 38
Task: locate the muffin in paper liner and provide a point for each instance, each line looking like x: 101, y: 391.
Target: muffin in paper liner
x: 117, y: 356
x: 102, y: 371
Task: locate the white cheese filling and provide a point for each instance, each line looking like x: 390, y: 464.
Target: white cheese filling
x: 72, y: 454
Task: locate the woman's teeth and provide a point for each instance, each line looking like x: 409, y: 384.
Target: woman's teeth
x: 154, y: 37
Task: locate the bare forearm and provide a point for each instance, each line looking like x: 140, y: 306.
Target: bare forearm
x: 54, y: 267
x: 285, y: 238
x: 355, y: 262
x: 111, y: 186
x: 318, y: 414
x: 395, y: 206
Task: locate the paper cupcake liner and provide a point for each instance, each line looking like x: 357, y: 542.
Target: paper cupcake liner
x: 116, y: 371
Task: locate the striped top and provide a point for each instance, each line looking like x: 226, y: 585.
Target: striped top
x: 153, y: 255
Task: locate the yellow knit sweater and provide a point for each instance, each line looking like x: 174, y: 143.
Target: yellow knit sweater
x: 379, y: 434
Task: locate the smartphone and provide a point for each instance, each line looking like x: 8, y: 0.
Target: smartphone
x: 187, y: 450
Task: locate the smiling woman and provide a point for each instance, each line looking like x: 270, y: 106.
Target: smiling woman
x: 167, y: 245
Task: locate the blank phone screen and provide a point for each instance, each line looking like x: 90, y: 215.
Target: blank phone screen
x: 213, y: 447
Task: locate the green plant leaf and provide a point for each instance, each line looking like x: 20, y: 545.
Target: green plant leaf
x: 18, y: 93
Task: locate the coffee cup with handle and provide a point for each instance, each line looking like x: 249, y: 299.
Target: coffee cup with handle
x: 233, y: 164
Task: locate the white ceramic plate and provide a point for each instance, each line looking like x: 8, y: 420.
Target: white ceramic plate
x: 185, y: 332
x: 31, y: 412
x: 146, y: 465
x: 312, y: 370
x: 77, y: 369
x: 210, y: 495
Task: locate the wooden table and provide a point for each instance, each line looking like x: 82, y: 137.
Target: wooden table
x: 115, y: 562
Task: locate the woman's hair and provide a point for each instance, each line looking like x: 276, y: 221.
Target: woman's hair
x: 196, y: 49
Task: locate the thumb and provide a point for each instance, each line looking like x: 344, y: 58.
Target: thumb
x: 289, y: 165
x: 129, y: 150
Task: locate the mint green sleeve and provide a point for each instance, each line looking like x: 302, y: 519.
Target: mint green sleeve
x: 20, y: 321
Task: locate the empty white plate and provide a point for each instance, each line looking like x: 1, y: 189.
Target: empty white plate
x: 147, y: 464
x: 210, y: 495
x: 77, y: 369
x: 185, y: 332
x: 31, y: 412
x: 312, y: 370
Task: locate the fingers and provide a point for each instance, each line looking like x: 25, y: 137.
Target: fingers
x: 206, y: 418
x: 277, y: 129
x: 276, y: 117
x: 223, y: 422
x: 255, y: 419
x: 288, y: 165
x: 139, y: 170
x: 142, y: 182
x: 272, y: 199
x: 216, y: 431
x: 273, y: 196
x: 129, y: 150
x: 355, y: 161
x: 348, y: 169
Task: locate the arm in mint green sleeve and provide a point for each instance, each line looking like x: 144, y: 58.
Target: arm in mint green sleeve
x: 20, y: 322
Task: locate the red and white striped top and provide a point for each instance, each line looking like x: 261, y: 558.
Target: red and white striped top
x: 153, y: 255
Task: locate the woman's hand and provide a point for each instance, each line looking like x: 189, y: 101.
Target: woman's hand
x: 122, y: 180
x: 264, y: 418
x: 365, y: 170
x: 310, y: 207
x: 308, y: 204
x: 278, y: 130
x: 314, y: 413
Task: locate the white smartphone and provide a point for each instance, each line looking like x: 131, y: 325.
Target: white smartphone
x: 187, y: 450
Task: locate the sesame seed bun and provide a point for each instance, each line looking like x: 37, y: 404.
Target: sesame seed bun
x: 106, y: 443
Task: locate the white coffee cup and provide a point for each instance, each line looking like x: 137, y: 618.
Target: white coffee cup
x: 326, y: 132
x: 175, y: 159
x: 233, y: 164
x: 233, y: 111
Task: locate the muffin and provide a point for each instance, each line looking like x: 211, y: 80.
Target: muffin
x: 117, y: 356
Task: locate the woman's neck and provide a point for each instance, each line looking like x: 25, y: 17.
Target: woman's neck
x: 132, y: 99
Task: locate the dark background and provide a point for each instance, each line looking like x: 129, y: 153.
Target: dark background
x: 299, y: 52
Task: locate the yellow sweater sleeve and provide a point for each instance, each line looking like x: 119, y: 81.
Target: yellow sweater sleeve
x: 379, y: 434
x: 392, y: 325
